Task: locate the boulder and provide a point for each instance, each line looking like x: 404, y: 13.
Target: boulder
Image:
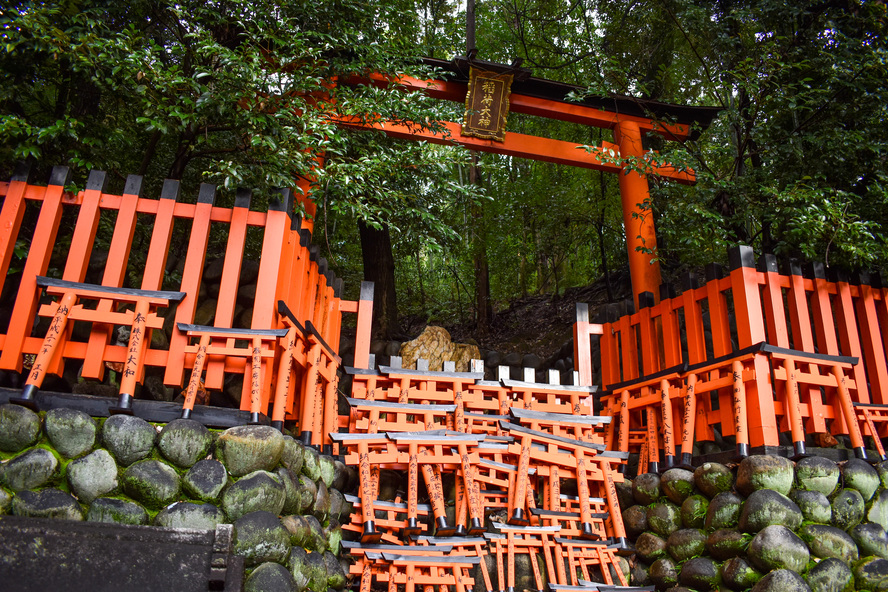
x: 270, y: 577
x: 292, y: 498
x: 664, y: 573
x: 151, y: 482
x: 871, y: 573
x: 116, y: 511
x: 649, y: 547
x: 777, y: 547
x: 847, y: 509
x: 765, y: 507
x: 128, y: 438
x: 292, y: 454
x: 878, y: 510
x: 813, y: 504
x: 307, y: 492
x: 321, y: 506
x: 815, y: 473
x: 434, y: 344
x: 190, y: 515
x: 726, y: 543
x: 737, y: 574
x: 248, y: 448
x: 713, y: 478
x: 700, y: 573
x: 260, y: 537
x: 205, y: 480
x: 664, y: 518
x: 72, y: 433
x: 327, y: 469
x: 297, y: 565
x: 29, y: 470
x: 828, y: 541
x: 871, y: 539
x: 646, y: 488
x: 693, y: 511
x: 635, y: 520
x: 258, y: 491
x: 765, y: 472
x: 183, y: 442
x: 336, y: 577
x: 686, y: 543
x: 724, y: 511
x: 46, y: 503
x: 829, y: 575
x: 781, y: 580
x: 677, y: 485
x: 858, y: 474
x: 311, y: 464
x: 316, y: 570
x: 19, y: 427
x: 93, y: 475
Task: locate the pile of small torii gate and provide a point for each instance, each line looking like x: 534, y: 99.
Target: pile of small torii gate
x: 507, y: 446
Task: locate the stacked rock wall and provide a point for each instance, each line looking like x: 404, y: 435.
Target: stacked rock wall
x: 284, y: 500
x: 768, y: 525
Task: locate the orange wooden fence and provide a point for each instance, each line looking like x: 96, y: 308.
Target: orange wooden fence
x: 753, y: 353
x: 296, y: 309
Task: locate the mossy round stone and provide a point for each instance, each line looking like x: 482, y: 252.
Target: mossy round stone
x: 830, y: 575
x: 765, y: 472
x: 258, y: 491
x: 635, y: 520
x: 664, y: 518
x: 737, y: 574
x: 781, y: 580
x: 116, y: 511
x: 639, y: 574
x: 190, y: 515
x: 777, y: 547
x: 713, y: 478
x: 664, y: 573
x: 700, y: 573
x: 341, y: 475
x: 858, y: 474
x: 320, y: 509
x: 871, y: 573
x: 260, y: 537
x: 311, y: 464
x: 336, y: 577
x: 71, y: 432
x: 19, y: 427
x: 686, y: 543
x: 878, y: 509
x: 46, y: 503
x: 725, y: 543
x: 29, y: 470
x: 828, y: 541
x: 293, y: 454
x: 291, y: 491
x: 183, y: 442
x: 677, y: 485
x: 646, y: 488
x: 765, y: 507
x: 815, y: 473
x: 724, y: 511
x: 316, y: 540
x: 333, y: 534
x: 270, y: 577
x: 297, y: 565
x: 299, y: 530
x: 93, y: 475
x: 316, y: 570
x: 693, y: 511
x: 624, y: 494
x: 248, y: 448
x: 205, y: 480
x: 128, y: 438
x: 337, y: 503
x: 649, y: 547
x: 813, y: 504
x: 882, y: 470
x: 847, y: 509
x: 152, y: 483
x: 328, y: 469
x: 307, y: 492
x: 871, y: 539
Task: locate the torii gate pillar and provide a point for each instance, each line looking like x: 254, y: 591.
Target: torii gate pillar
x: 641, y: 239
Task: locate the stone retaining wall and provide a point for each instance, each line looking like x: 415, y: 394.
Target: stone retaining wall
x: 769, y: 525
x: 284, y: 499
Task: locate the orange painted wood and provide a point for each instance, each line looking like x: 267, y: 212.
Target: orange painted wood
x: 191, y: 276
x: 11, y: 215
x: 872, y: 343
x: 85, y: 229
x: 161, y: 235
x: 39, y: 253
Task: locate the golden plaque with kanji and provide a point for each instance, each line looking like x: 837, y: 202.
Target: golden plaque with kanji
x: 487, y: 105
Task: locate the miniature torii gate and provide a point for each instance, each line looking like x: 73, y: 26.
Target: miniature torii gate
x: 629, y: 118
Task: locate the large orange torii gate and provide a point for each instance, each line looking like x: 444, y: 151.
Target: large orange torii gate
x: 629, y: 118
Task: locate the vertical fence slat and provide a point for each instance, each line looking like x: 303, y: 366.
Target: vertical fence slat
x: 693, y: 315
x: 11, y: 217
x: 191, y: 275
x: 849, y: 337
x: 772, y: 294
x: 115, y: 270
x: 277, y: 225
x: 85, y: 229
x: 25, y: 308
x: 161, y: 234
x: 872, y: 344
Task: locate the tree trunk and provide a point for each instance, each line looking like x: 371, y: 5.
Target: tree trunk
x: 379, y: 268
